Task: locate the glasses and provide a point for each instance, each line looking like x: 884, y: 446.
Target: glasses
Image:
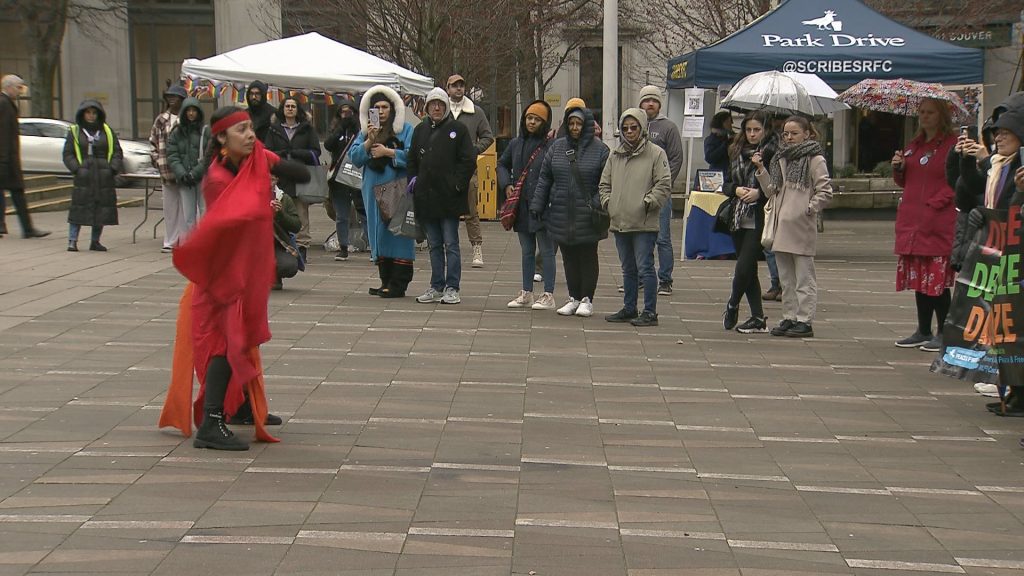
x: 630, y: 128
x: 287, y: 106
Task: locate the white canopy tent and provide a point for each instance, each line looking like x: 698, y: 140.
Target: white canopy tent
x: 311, y: 62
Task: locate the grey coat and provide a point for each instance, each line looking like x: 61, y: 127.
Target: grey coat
x: 94, y: 198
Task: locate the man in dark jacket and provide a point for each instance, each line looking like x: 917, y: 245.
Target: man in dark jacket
x: 442, y: 160
x: 10, y: 157
x: 260, y: 110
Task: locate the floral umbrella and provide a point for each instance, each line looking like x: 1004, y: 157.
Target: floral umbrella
x: 900, y: 96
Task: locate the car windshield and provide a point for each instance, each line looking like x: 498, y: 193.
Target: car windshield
x: 26, y: 129
x: 53, y: 130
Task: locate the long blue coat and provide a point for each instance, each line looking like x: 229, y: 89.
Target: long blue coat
x: 383, y: 244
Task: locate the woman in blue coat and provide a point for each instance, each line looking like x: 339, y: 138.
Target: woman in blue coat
x: 382, y: 152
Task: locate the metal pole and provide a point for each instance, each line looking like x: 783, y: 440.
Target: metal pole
x: 686, y: 198
x: 610, y: 70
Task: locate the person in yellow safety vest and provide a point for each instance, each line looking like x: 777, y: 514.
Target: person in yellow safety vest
x: 92, y: 153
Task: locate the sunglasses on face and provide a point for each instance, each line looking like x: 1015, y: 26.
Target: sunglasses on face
x: 290, y: 106
x: 630, y: 128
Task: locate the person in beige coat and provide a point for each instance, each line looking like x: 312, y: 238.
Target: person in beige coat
x: 635, y: 184
x: 798, y: 187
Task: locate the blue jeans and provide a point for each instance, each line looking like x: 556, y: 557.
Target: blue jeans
x: 666, y: 256
x: 636, y: 252
x: 530, y: 242
x: 773, y: 269
x: 341, y: 198
x: 74, y: 229
x: 445, y: 257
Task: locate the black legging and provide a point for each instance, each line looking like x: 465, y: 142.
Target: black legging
x: 745, y: 280
x: 929, y: 305
x: 581, y: 268
x: 218, y: 374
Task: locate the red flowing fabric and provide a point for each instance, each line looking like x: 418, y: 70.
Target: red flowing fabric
x: 229, y: 259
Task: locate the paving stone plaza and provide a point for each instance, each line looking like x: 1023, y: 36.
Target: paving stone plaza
x: 474, y: 440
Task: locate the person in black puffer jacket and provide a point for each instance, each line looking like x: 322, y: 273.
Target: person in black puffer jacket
x: 566, y: 207
x: 294, y: 138
x: 92, y: 153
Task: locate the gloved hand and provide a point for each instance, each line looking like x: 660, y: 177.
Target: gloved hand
x: 189, y: 180
x: 975, y: 219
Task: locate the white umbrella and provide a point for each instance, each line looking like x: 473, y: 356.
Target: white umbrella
x: 783, y: 93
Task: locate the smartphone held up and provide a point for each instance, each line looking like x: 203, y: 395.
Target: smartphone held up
x: 375, y: 117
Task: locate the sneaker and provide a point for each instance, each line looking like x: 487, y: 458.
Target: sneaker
x: 664, y: 289
x: 933, y: 345
x: 478, y: 256
x: 915, y: 340
x: 645, y: 319
x: 622, y: 290
x: 451, y: 296
x: 431, y: 296
x: 538, y: 278
x: 569, y: 308
x: 95, y: 246
x: 622, y: 316
x: 166, y: 249
x: 800, y: 330
x: 524, y: 300
x: 730, y: 317
x: 545, y: 302
x: 753, y: 325
x: 772, y: 294
x: 342, y: 254
x: 585, y: 309
x: 985, y: 389
x: 783, y: 327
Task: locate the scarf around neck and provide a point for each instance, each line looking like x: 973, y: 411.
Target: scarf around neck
x: 992, y: 188
x: 798, y: 164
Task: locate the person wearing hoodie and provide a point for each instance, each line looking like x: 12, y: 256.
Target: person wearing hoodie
x: 636, y: 184
x: 92, y: 153
x: 473, y: 118
x: 665, y: 134
x: 344, y: 130
x: 260, y: 111
x: 185, y: 148
x: 565, y: 200
x: 383, y: 151
x: 294, y: 138
x: 442, y: 162
x: 164, y: 124
x: 519, y: 167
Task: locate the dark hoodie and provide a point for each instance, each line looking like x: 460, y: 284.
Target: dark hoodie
x: 185, y: 146
x: 261, y: 113
x: 343, y: 132
x: 513, y: 162
x: 94, y: 198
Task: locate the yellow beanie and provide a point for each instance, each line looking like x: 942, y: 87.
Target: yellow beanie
x: 574, y: 103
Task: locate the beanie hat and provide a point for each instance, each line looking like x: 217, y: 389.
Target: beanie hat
x: 539, y: 110
x: 575, y: 103
x: 577, y: 113
x: 650, y: 92
x: 437, y: 94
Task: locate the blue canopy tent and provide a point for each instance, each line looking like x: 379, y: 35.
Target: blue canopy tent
x: 842, y: 41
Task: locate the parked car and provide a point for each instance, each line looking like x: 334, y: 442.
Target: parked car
x: 42, y: 148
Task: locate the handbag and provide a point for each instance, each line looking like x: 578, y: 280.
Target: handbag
x: 724, y: 216
x: 771, y: 223
x: 315, y: 191
x: 404, y: 223
x: 387, y: 196
x: 510, y: 208
x: 599, y: 217
x: 346, y: 173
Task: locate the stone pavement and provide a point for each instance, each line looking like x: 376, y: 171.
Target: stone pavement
x: 475, y: 440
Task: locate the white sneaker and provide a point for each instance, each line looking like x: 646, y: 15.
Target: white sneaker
x: 538, y: 278
x: 545, y: 302
x: 570, y: 307
x: 451, y: 296
x: 431, y: 296
x: 522, y: 301
x: 478, y: 256
x: 990, y: 390
x: 586, y: 308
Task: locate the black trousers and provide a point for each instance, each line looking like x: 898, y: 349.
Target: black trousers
x: 21, y: 205
x: 745, y: 281
x: 581, y: 269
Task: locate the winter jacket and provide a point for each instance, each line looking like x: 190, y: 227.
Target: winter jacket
x: 558, y: 199
x: 187, y: 140
x: 636, y: 184
x: 797, y: 207
x: 742, y: 172
x: 10, y: 146
x: 513, y: 161
x: 966, y: 197
x: 261, y: 115
x: 716, y: 151
x: 474, y: 119
x: 94, y: 198
x: 303, y: 146
x: 926, y: 217
x: 159, y: 136
x: 442, y: 160
x: 665, y: 134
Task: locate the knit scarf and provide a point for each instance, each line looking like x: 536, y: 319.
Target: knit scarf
x: 798, y: 164
x: 992, y: 184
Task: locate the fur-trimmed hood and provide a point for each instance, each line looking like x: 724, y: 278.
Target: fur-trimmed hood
x: 397, y: 107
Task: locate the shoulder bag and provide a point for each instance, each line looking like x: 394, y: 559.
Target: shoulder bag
x: 598, y: 216
x: 314, y: 191
x: 510, y: 208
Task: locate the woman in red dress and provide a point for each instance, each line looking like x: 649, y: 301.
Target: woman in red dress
x: 229, y: 260
x: 925, y: 222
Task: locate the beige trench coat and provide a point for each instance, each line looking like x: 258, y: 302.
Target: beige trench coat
x: 796, y: 208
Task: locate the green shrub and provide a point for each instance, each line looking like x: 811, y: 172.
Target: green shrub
x: 883, y: 169
x: 847, y: 171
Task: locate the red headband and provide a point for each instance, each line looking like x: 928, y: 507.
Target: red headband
x: 229, y: 121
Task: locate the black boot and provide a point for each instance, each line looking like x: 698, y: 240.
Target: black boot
x: 244, y: 417
x: 401, y: 276
x: 214, y: 434
x: 384, y: 270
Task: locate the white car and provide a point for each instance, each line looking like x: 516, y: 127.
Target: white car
x: 42, y: 148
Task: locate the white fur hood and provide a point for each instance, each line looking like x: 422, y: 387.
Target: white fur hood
x: 397, y: 107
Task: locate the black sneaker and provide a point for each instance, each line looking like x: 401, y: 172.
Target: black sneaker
x: 342, y: 254
x: 214, y: 434
x: 645, y: 319
x: 800, y: 330
x: 664, y: 289
x: 95, y: 246
x: 754, y: 325
x: 730, y: 317
x: 783, y: 327
x: 915, y: 340
x: 933, y: 345
x: 622, y: 316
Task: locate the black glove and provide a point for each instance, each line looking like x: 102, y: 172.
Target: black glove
x: 975, y: 219
x: 189, y: 180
